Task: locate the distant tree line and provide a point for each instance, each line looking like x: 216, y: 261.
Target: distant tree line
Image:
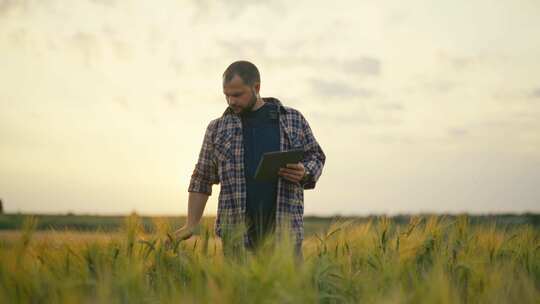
x: 312, y: 223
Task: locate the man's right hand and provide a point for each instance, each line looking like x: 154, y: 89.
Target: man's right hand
x: 177, y: 236
x: 183, y: 233
x: 196, y: 203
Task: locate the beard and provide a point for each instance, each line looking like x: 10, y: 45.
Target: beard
x: 250, y: 104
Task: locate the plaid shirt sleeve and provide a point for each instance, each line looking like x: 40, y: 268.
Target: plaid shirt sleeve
x: 205, y: 173
x: 314, y: 156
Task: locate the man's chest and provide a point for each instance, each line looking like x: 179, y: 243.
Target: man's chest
x: 233, y: 139
x: 261, y: 134
x: 259, y: 137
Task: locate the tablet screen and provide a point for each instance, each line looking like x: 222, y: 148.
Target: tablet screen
x: 271, y: 162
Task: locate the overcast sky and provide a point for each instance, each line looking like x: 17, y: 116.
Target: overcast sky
x: 418, y: 105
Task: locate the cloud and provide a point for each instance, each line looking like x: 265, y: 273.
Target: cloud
x: 108, y: 3
x: 170, y: 98
x: 523, y: 95
x: 9, y: 6
x: 365, y: 66
x: 396, y: 17
x: 243, y: 48
x: 535, y: 93
x: 339, y: 89
x: 121, y: 49
x: 463, y: 62
x: 236, y: 8
x: 358, y: 117
x: 361, y: 66
x: 292, y: 56
x: 391, y: 106
x: 342, y: 118
x: 440, y: 86
x: 122, y: 102
x: 392, y: 138
x: 525, y: 122
x: 460, y: 62
x: 458, y: 132
x: 176, y: 66
x: 87, y: 44
x: 18, y: 37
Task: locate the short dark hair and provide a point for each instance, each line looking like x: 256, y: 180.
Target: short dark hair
x: 245, y: 70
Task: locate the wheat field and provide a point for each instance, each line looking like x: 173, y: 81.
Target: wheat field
x: 430, y: 260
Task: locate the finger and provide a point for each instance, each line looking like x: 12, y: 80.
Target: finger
x: 299, y: 173
x: 289, y: 179
x: 290, y: 170
x: 185, y: 235
x: 294, y: 166
x: 293, y: 178
x: 295, y: 169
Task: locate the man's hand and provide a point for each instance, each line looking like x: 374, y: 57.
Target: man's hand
x: 183, y: 233
x: 293, y: 172
x: 179, y: 235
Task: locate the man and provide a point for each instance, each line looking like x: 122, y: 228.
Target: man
x: 232, y: 147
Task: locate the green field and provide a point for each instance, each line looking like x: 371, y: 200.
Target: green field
x: 419, y: 259
x: 312, y: 224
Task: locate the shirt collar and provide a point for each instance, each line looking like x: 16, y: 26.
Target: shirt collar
x: 266, y: 99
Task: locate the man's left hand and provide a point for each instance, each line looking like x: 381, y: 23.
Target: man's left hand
x: 293, y: 172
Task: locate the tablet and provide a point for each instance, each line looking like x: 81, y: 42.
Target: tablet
x: 268, y: 167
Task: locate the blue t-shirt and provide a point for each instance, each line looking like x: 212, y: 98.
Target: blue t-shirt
x: 260, y: 130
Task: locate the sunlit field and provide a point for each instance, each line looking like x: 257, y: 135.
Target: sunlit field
x: 427, y: 260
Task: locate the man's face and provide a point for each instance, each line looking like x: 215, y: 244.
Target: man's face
x: 240, y: 96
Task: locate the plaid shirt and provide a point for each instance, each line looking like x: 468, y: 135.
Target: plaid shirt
x: 221, y: 160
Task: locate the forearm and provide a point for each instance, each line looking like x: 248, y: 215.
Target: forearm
x: 314, y: 158
x: 313, y: 164
x: 196, y: 203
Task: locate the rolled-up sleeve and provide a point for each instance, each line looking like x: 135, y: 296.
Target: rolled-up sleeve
x: 314, y: 157
x: 205, y: 173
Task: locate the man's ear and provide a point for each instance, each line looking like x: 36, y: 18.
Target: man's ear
x: 257, y: 87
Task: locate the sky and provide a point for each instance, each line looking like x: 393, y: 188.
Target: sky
x: 419, y: 106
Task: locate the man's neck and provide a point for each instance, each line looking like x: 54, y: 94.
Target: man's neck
x: 258, y: 104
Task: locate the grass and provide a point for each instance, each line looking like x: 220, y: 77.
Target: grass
x: 427, y: 260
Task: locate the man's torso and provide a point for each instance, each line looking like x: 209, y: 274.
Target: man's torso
x: 229, y: 153
x: 260, y: 130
